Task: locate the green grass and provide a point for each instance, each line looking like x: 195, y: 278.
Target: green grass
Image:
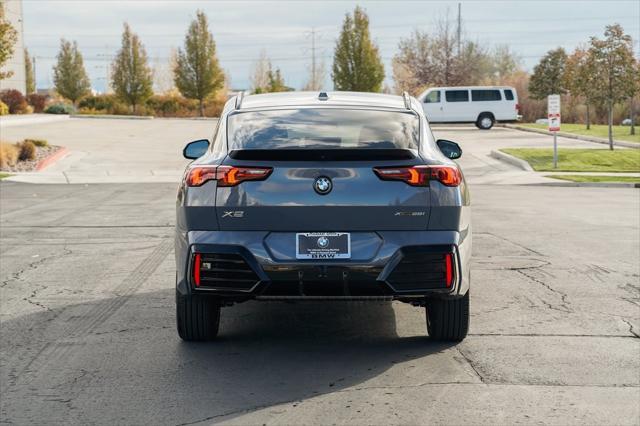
x: 579, y: 160
x: 4, y: 175
x: 620, y: 133
x: 597, y: 178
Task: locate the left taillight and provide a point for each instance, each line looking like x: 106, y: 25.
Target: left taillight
x: 421, y: 175
x: 225, y: 175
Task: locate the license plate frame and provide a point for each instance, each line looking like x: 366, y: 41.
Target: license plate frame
x: 309, y: 245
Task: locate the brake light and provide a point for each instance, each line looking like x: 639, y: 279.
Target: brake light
x: 517, y: 107
x: 225, y: 175
x: 446, y: 175
x: 420, y: 175
x: 197, y: 260
x: 448, y: 261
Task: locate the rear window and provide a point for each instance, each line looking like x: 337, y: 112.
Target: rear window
x: 485, y: 95
x: 508, y: 94
x: 323, y: 129
x: 457, y: 95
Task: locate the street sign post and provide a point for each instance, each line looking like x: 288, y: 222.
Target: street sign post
x: 553, y: 118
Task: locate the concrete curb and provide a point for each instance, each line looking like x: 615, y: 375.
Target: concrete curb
x: 48, y: 161
x: 521, y: 164
x: 588, y: 184
x: 572, y: 136
x: 110, y: 117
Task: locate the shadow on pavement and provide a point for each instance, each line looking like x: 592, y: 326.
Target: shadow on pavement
x: 133, y: 368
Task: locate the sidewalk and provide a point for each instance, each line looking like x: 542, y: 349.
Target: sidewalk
x: 30, y: 119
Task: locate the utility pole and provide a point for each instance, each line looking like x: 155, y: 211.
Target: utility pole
x: 313, y: 57
x: 459, y: 26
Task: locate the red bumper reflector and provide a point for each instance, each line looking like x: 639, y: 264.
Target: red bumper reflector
x: 196, y: 269
x: 448, y: 260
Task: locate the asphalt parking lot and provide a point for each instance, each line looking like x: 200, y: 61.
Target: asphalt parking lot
x: 88, y: 331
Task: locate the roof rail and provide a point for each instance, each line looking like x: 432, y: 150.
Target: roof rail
x: 239, y: 99
x: 407, y: 100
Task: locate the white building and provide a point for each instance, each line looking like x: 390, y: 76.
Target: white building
x: 13, y: 13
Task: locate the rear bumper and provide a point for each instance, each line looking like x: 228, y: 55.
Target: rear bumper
x: 382, y: 270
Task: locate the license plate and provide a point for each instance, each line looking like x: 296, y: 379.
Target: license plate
x: 323, y: 245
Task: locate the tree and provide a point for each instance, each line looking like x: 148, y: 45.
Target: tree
x: 69, y: 75
x: 131, y: 78
x: 197, y: 73
x: 505, y: 63
x: 433, y: 59
x: 260, y: 74
x: 8, y: 38
x: 615, y: 70
x: 265, y: 78
x: 548, y: 76
x: 29, y: 72
x: 276, y: 82
x: 356, y: 61
x: 579, y: 78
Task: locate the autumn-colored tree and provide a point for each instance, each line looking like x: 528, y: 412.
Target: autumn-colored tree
x: 69, y: 75
x: 548, y: 76
x: 8, y: 38
x: 579, y: 76
x: 131, y: 76
x: 197, y: 72
x: 615, y: 78
x: 356, y: 61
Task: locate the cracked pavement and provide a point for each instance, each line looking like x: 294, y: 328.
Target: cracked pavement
x: 87, y: 322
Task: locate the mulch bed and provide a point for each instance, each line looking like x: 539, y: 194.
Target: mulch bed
x: 30, y: 165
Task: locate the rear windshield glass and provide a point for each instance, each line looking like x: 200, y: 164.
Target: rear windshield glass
x: 323, y: 129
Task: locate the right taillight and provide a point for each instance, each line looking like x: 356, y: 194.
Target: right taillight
x: 448, y: 263
x: 225, y: 175
x: 421, y: 175
x: 517, y: 107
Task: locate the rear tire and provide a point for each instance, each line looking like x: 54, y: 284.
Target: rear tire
x: 198, y: 317
x: 485, y: 121
x: 448, y: 319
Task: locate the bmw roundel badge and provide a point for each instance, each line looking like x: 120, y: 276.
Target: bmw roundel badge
x: 323, y: 185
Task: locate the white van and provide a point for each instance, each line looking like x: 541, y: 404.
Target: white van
x: 482, y: 105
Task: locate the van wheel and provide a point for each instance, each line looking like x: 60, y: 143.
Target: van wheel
x: 198, y: 317
x: 485, y: 121
x: 448, y: 319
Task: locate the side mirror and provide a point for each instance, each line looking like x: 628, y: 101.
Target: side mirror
x: 450, y: 149
x: 195, y: 149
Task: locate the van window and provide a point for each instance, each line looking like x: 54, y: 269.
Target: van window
x: 432, y: 97
x: 457, y: 95
x: 485, y: 95
x: 508, y: 94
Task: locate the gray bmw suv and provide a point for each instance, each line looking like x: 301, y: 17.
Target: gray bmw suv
x: 323, y: 196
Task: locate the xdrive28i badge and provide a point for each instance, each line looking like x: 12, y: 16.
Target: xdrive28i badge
x: 323, y: 185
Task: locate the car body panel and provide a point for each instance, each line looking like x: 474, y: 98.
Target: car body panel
x: 258, y: 220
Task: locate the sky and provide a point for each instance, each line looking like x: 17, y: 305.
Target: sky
x: 285, y: 30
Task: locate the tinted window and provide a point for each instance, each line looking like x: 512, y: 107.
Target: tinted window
x: 485, y: 95
x: 432, y: 97
x: 325, y: 128
x: 508, y: 94
x: 457, y: 95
